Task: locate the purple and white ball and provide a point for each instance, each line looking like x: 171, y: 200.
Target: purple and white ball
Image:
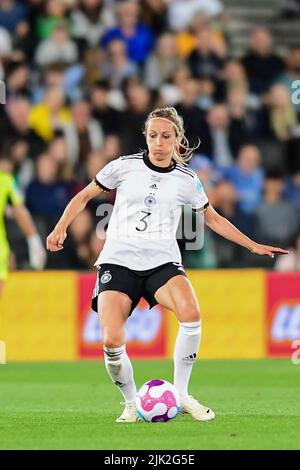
x: 157, y: 401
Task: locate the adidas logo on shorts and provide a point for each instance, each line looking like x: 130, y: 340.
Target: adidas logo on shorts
x: 179, y: 266
x: 106, y: 277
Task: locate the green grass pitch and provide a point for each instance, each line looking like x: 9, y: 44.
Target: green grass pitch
x: 74, y: 406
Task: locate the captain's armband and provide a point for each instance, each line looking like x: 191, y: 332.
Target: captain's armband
x: 203, y: 209
x: 100, y: 186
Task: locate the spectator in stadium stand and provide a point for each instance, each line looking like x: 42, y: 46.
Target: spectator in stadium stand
x: 181, y: 12
x: 18, y: 128
x: 226, y: 202
x: 292, y: 159
x: 193, y: 116
x: 292, y: 189
x: 23, y: 167
x: 83, y: 133
x: 234, y: 75
x: 24, y: 41
x: 276, y: 218
x: 261, y: 63
x: 138, y: 100
x: 58, y: 151
x: 281, y: 114
x: 54, y: 75
x: 70, y: 78
x: 223, y: 136
x: 117, y: 66
x: 163, y: 62
x: 138, y: 37
x: 112, y: 147
x: 106, y: 115
x: 11, y: 13
x: 47, y: 195
x: 169, y: 92
x: 89, y: 20
x: 53, y: 13
x: 207, y: 91
x: 291, y: 262
x: 154, y: 15
x: 17, y: 81
x: 246, y: 120
x: 51, y: 114
x: 208, y: 57
x: 292, y: 73
x: 247, y: 178
x: 58, y: 48
x: 186, y: 39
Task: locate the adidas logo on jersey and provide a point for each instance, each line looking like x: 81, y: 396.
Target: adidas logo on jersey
x: 153, y: 186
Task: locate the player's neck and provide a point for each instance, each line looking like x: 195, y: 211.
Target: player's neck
x: 160, y: 162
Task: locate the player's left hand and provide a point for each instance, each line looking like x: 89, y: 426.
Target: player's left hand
x: 37, y: 252
x: 266, y: 250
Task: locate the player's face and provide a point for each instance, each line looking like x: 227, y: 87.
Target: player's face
x: 161, y: 140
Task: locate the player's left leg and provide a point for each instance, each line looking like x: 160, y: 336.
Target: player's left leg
x: 178, y: 295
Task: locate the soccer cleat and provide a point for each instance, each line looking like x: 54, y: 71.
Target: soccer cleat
x: 199, y: 412
x: 129, y: 414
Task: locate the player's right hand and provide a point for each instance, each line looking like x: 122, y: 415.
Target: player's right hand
x: 56, y: 239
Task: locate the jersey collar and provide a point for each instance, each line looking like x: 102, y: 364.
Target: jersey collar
x: 155, y: 167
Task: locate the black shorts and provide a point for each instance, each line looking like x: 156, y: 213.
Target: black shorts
x: 135, y: 284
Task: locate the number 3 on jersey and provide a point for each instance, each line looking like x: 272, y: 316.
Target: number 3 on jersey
x: 143, y: 221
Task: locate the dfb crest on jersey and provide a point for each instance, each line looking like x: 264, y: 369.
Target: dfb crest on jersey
x: 150, y: 201
x: 106, y: 277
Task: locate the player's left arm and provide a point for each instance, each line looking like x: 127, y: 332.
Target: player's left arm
x: 226, y: 229
x: 37, y: 253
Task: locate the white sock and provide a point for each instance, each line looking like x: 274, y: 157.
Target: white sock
x: 185, y: 354
x: 119, y: 367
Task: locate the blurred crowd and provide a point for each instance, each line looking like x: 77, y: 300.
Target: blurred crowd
x: 81, y: 77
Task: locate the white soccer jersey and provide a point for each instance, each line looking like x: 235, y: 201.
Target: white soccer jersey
x: 142, y: 229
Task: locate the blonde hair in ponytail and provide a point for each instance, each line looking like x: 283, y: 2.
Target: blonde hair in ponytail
x: 184, y: 152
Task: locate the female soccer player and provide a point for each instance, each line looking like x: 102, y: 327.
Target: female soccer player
x: 10, y: 195
x: 141, y: 257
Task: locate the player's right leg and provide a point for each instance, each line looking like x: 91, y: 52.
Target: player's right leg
x: 114, y: 308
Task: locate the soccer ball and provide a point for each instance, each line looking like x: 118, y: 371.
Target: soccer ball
x: 157, y: 401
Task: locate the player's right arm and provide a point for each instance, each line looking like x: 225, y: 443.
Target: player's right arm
x: 57, y: 237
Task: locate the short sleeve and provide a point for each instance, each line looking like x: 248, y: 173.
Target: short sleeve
x: 14, y: 196
x: 199, y: 199
x: 109, y: 177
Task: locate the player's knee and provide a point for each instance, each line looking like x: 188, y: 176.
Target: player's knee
x: 113, y: 339
x: 189, y: 313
